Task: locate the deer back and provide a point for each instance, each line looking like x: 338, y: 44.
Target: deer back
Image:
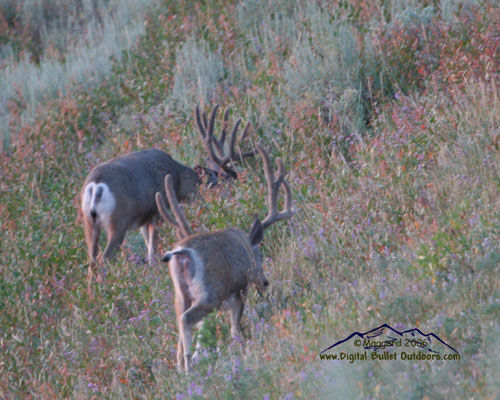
x: 133, y: 180
x: 222, y: 262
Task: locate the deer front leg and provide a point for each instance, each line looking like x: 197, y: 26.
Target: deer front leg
x: 236, y: 312
x: 145, y: 235
x: 150, y: 237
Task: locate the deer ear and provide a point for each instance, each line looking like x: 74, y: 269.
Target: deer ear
x: 256, y: 232
x: 206, y: 175
x: 225, y: 171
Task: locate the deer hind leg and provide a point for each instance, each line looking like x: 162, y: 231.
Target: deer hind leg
x: 92, y: 231
x: 181, y: 305
x: 188, y: 319
x: 180, y: 355
x: 116, y: 235
x: 197, y: 347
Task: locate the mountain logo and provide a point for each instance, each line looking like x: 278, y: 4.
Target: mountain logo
x: 385, y: 338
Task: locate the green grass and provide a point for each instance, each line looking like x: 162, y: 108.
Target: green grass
x: 394, y: 166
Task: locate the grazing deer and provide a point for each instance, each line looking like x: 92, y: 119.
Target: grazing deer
x: 119, y: 195
x: 209, y: 269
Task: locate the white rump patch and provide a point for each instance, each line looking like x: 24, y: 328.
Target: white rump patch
x: 199, y: 275
x: 197, y: 287
x: 97, y: 198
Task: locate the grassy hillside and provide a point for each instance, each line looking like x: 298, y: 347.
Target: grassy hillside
x: 48, y: 45
x: 387, y: 117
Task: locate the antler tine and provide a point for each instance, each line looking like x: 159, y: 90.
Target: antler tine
x: 219, y: 144
x: 245, y: 133
x: 273, y: 185
x: 162, y: 208
x: 232, y: 140
x: 207, y: 132
x: 214, y: 146
x: 206, y: 129
x: 202, y: 127
x: 208, y: 139
x: 179, y: 223
x: 238, y: 156
x: 204, y: 115
x: 212, y: 122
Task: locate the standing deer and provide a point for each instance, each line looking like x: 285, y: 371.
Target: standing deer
x: 209, y: 269
x: 119, y: 195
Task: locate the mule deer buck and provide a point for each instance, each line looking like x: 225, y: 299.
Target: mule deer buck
x: 119, y: 195
x: 209, y: 269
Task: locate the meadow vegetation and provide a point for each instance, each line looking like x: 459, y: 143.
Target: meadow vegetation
x: 388, y: 119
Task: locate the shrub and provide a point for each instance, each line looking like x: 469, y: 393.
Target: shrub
x: 198, y: 72
x: 66, y: 43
